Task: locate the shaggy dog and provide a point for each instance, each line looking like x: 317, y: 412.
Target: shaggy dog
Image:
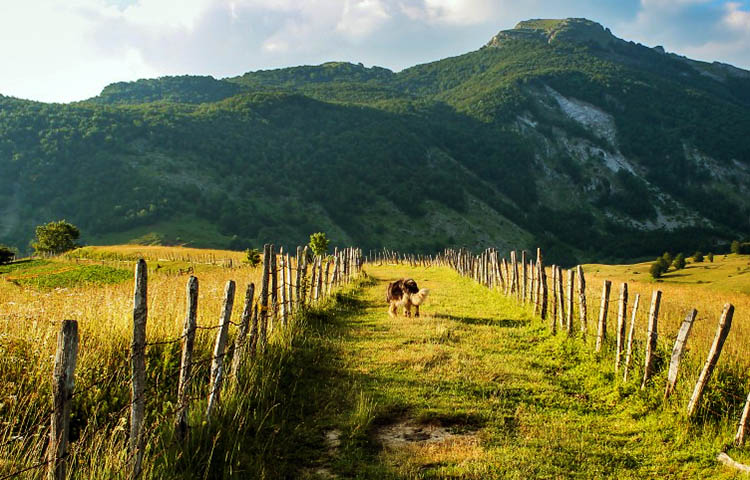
x: 404, y: 293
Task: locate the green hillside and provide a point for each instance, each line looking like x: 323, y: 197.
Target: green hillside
x: 555, y: 133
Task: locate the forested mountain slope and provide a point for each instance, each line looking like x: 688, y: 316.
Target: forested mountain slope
x: 554, y: 133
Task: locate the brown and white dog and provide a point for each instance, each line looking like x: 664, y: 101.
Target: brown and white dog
x: 404, y: 293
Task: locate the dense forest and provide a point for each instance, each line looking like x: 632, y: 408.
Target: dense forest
x: 555, y: 134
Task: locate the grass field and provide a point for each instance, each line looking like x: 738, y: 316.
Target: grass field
x: 477, y: 388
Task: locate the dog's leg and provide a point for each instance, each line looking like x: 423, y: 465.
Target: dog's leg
x: 416, y: 311
x: 407, y: 310
x: 393, y: 310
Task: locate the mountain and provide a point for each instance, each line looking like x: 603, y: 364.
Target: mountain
x: 555, y: 133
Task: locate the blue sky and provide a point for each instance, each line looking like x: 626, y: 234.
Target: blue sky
x: 65, y: 50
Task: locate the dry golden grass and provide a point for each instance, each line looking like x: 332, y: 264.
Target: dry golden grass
x: 159, y: 254
x: 706, y: 287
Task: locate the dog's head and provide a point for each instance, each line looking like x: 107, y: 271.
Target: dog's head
x: 410, y: 286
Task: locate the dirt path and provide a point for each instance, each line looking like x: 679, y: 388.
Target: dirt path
x: 477, y: 388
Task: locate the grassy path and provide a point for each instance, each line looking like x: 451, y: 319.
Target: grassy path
x: 477, y: 388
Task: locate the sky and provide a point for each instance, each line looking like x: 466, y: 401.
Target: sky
x: 67, y: 50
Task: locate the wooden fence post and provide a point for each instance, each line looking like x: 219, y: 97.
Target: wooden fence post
x: 63, y: 377
x: 582, y: 313
x: 263, y: 317
x: 571, y: 302
x: 543, y: 287
x: 186, y: 361
x: 253, y: 339
x: 622, y: 312
x: 679, y: 347
x: 601, y: 330
x: 217, y: 363
x: 653, y: 323
x: 524, y: 275
x: 629, y: 349
x: 561, y: 300
x: 289, y: 290
x: 739, y: 439
x: 274, y: 289
x: 298, y: 285
x: 138, y: 369
x: 282, y: 288
x: 725, y: 323
x: 240, y: 343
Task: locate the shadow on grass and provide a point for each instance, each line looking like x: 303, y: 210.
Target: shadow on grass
x: 495, y: 322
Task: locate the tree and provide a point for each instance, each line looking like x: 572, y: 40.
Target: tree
x: 253, y: 256
x: 698, y: 257
x: 710, y: 257
x: 7, y: 254
x: 55, y: 238
x: 659, y: 267
x: 679, y: 262
x: 735, y: 248
x: 319, y: 243
x: 667, y: 258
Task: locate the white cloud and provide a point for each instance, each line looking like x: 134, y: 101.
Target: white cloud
x: 68, y: 50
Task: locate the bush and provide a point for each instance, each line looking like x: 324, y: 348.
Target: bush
x: 698, y: 257
x: 7, y: 254
x: 710, y: 257
x: 659, y: 267
x: 253, y: 256
x: 319, y: 243
x: 735, y: 247
x: 679, y: 262
x: 668, y: 258
x: 54, y: 238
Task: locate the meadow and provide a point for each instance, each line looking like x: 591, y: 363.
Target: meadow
x: 476, y: 388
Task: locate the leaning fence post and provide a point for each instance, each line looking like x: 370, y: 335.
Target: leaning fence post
x: 571, y: 287
x: 138, y: 368
x: 622, y: 312
x: 725, y: 323
x: 240, y: 343
x: 560, y: 299
x: 186, y: 362
x: 63, y: 377
x: 653, y: 323
x: 739, y: 439
x: 601, y: 331
x: 629, y: 349
x: 217, y: 363
x: 679, y: 347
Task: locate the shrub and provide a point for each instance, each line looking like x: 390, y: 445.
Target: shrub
x: 668, y: 258
x: 253, y: 256
x: 679, y: 262
x: 659, y: 267
x: 7, y: 254
x: 710, y: 257
x: 698, y: 257
x: 54, y: 238
x: 735, y: 247
x: 319, y: 243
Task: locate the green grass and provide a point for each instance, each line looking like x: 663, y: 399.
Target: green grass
x: 25, y: 265
x: 81, y: 275
x: 527, y: 404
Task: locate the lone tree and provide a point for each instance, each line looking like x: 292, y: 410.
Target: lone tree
x: 55, y: 238
x: 679, y: 262
x: 7, y: 254
x: 710, y: 257
x: 319, y: 243
x: 735, y: 247
x: 659, y: 267
x: 253, y: 256
x: 698, y: 257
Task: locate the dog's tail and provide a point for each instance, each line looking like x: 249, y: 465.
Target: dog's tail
x: 419, y: 297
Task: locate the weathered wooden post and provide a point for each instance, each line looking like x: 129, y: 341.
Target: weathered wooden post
x: 326, y: 285
x: 274, y: 288
x: 253, y: 338
x: 629, y: 350
x: 289, y: 290
x: 217, y: 363
x: 63, y: 380
x: 319, y: 287
x: 303, y: 281
x: 186, y: 361
x: 314, y: 280
x: 582, y: 313
x: 739, y: 439
x: 137, y: 440
x: 622, y: 312
x: 524, y: 275
x: 298, y: 278
x: 725, y: 324
x: 679, y: 347
x: 653, y: 319
x: 240, y: 343
x: 263, y: 317
x: 601, y: 330
x: 571, y: 296
x: 554, y: 296
x: 561, y: 300
x: 544, y: 289
x: 282, y: 288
